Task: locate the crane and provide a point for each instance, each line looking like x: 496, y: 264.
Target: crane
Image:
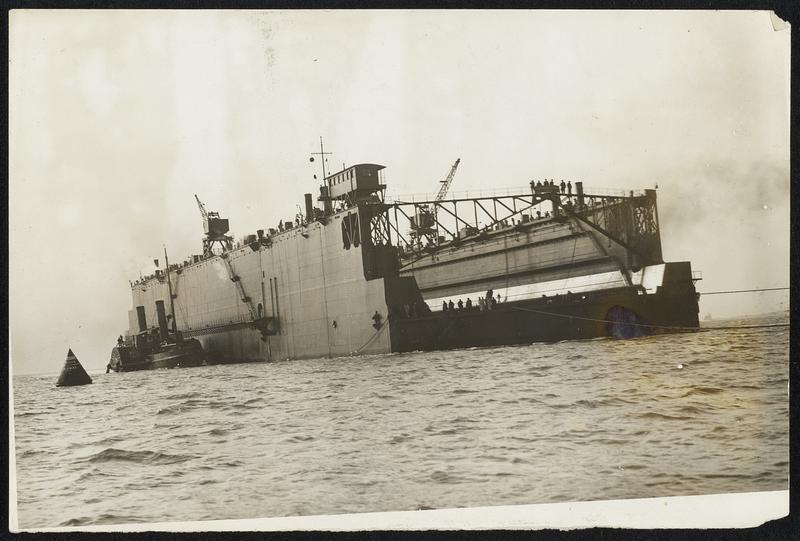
x: 215, y: 229
x: 424, y: 221
x: 202, y: 210
x: 447, y: 181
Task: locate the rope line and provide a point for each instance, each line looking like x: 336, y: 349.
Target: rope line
x: 746, y: 290
x: 650, y: 325
x: 374, y: 336
x: 603, y: 320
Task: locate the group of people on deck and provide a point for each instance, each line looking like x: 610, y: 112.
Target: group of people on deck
x: 566, y: 187
x: 484, y: 303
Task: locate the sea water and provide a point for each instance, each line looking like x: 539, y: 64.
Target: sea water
x: 682, y: 414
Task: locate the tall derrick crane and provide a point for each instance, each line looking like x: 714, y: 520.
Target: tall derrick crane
x: 423, y: 224
x: 447, y: 181
x: 215, y: 229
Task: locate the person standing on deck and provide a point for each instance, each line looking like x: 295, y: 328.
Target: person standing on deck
x: 563, y: 186
x: 460, y: 304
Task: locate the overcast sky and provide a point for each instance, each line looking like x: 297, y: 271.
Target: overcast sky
x: 118, y: 118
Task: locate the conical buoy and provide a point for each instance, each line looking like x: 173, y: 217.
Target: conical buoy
x: 72, y: 373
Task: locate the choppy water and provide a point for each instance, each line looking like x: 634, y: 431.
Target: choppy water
x: 601, y: 419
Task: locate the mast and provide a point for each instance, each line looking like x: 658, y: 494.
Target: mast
x: 322, y: 153
x: 171, y: 299
x: 322, y: 158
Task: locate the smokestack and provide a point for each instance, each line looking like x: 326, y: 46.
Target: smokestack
x: 309, y: 209
x: 162, y: 319
x: 554, y: 201
x: 326, y: 202
x: 142, y: 318
x: 579, y: 191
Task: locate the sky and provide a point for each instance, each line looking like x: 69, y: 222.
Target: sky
x: 117, y: 118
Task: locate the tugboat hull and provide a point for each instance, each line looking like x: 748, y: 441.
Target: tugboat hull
x: 190, y: 353
x: 129, y: 359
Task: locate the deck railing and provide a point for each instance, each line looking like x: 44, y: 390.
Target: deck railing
x: 509, y: 191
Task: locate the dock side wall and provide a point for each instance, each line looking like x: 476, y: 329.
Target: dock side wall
x: 511, y: 258
x: 307, y: 279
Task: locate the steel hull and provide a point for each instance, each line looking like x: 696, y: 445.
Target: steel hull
x: 549, y: 320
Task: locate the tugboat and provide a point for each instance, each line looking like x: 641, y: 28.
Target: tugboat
x: 157, y: 347
x: 147, y: 351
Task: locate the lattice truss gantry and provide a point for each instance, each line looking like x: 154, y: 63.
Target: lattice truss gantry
x: 419, y: 228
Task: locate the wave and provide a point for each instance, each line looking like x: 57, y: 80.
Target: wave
x: 702, y: 390
x: 29, y: 452
x: 535, y: 374
x: 444, y: 477
x: 461, y: 419
x: 653, y: 415
x: 104, y: 518
x: 142, y: 457
x: 633, y: 467
x: 617, y: 401
x: 399, y: 439
x: 725, y: 476
x: 299, y: 438
x: 31, y: 413
x: 193, y: 403
x: 559, y: 406
x: 109, y: 440
x: 610, y: 441
x: 590, y: 403
x: 184, y: 396
x: 90, y: 475
x: 694, y: 410
x: 176, y: 408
